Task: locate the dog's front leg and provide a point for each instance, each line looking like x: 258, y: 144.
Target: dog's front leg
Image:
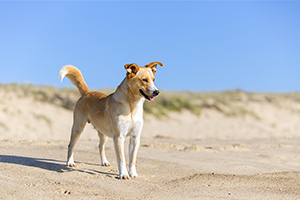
x: 119, y: 148
x: 133, y: 148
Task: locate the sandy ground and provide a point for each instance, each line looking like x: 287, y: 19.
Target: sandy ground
x: 168, y: 169
x: 182, y: 156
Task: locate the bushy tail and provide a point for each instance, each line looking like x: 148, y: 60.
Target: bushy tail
x: 75, y: 77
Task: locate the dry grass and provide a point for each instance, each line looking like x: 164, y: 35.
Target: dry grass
x: 230, y: 103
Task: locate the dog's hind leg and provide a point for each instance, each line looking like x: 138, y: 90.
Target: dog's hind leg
x: 103, y: 139
x: 78, y: 126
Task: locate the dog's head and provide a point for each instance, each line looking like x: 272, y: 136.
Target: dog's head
x: 141, y: 79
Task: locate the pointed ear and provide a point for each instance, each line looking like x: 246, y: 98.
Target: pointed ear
x: 131, y: 69
x: 153, y: 66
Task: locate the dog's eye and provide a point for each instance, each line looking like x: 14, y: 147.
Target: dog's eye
x: 145, y: 80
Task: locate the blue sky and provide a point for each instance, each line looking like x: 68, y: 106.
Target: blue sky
x: 205, y: 46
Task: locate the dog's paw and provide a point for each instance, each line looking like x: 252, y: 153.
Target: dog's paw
x: 105, y: 164
x: 132, y: 172
x: 124, y: 177
x: 133, y: 175
x: 71, y: 164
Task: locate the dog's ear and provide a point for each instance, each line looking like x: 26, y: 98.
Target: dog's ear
x: 153, y: 66
x: 132, y: 70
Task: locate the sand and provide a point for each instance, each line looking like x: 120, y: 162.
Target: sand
x: 206, y: 170
x: 182, y: 156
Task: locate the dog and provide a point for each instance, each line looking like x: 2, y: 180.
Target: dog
x: 117, y: 115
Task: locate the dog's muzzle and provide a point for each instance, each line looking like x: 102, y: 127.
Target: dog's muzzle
x: 155, y: 93
x: 150, y: 98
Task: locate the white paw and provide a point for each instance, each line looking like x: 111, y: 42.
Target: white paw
x: 133, y: 175
x: 71, y: 164
x: 124, y: 177
x: 106, y: 164
x: 132, y: 172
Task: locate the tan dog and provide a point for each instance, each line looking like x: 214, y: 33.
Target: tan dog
x: 117, y: 115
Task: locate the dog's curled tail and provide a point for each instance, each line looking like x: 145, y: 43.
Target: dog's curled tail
x: 75, y: 77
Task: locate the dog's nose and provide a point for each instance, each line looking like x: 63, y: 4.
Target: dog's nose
x: 155, y: 93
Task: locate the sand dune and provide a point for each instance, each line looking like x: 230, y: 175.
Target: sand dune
x: 214, y: 155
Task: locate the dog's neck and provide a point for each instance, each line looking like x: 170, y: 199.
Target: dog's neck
x: 125, y: 94
x: 133, y: 103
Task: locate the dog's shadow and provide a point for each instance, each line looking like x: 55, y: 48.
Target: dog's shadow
x: 49, y: 164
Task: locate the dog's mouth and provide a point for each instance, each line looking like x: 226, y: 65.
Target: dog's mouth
x: 146, y: 96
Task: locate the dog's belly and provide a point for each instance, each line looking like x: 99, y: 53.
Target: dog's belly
x: 104, y: 129
x: 107, y: 133
x: 124, y: 128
